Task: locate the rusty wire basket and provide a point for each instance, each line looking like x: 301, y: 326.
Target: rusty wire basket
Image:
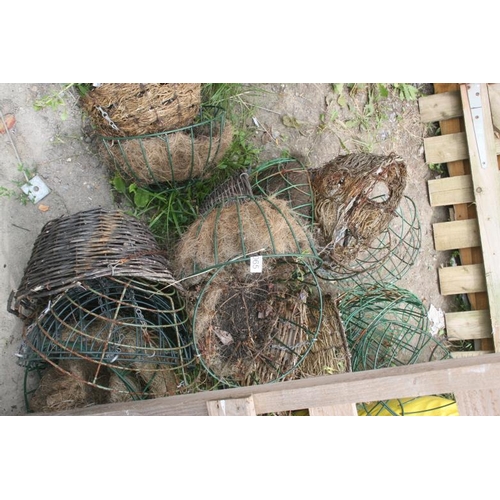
x: 87, y: 245
x: 132, y: 109
x: 172, y: 157
x: 117, y: 338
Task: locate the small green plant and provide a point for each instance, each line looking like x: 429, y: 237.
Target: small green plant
x: 438, y: 168
x: 56, y: 101
x: 406, y: 91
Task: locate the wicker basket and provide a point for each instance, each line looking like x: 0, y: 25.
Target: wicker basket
x: 131, y: 109
x: 87, y: 245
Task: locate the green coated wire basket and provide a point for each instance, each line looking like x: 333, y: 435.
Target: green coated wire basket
x: 387, y: 326
x: 174, y: 157
x: 387, y: 259
x: 237, y: 229
x: 128, y: 328
x: 287, y: 179
x: 253, y: 327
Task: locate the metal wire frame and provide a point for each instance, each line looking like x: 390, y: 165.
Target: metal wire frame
x: 118, y: 323
x: 302, y: 287
x: 388, y: 258
x: 387, y: 326
x: 310, y: 254
x: 437, y: 405
x: 288, y: 179
x: 211, y: 122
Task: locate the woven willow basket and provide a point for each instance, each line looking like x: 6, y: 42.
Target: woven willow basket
x: 87, y: 245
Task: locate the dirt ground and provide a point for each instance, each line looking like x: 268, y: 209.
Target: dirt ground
x: 306, y: 120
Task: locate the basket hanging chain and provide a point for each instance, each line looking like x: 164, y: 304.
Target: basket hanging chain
x: 105, y: 115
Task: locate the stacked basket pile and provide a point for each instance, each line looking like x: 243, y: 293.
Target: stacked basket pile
x: 157, y: 133
x: 103, y: 317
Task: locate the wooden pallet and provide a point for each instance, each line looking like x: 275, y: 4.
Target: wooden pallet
x: 469, y: 144
x: 475, y: 383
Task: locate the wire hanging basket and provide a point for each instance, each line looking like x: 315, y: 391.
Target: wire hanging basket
x: 356, y: 196
x: 172, y: 157
x: 288, y: 179
x: 256, y: 327
x: 386, y: 259
x: 132, y: 109
x: 387, y: 326
x: 114, y: 327
x: 422, y: 406
x: 247, y: 226
x: 89, y: 244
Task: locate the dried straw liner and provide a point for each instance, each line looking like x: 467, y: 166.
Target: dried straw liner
x: 131, y: 109
x: 330, y: 353
x: 86, y: 245
x: 173, y: 156
x: 254, y: 328
x: 235, y: 231
x: 346, y: 211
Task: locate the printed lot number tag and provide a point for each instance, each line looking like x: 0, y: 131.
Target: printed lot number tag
x: 256, y: 264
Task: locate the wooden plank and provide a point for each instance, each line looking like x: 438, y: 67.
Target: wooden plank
x: 468, y: 325
x: 442, y: 106
x: 345, y: 410
x: 446, y: 148
x: 486, y: 180
x: 494, y: 94
x: 478, y: 402
x: 422, y: 379
x: 462, y: 279
x: 470, y: 354
x: 450, y: 147
x: 456, y: 234
x: 241, y: 407
x: 465, y: 209
x: 450, y: 191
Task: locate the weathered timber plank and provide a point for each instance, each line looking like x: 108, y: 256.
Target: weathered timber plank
x: 470, y: 354
x: 468, y: 325
x: 463, y: 210
x: 456, y: 234
x: 478, y: 402
x: 450, y: 191
x: 486, y: 181
x: 450, y: 147
x: 231, y: 407
x: 462, y: 279
x: 422, y: 379
x: 494, y: 94
x: 442, y: 106
x: 344, y: 410
x: 446, y: 148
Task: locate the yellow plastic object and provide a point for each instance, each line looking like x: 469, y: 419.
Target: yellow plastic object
x: 424, y: 406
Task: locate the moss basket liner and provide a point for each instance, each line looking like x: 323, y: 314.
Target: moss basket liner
x: 237, y: 230
x: 173, y: 156
x: 131, y: 109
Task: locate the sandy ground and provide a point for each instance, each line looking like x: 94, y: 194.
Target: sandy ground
x: 294, y: 119
x: 56, y: 149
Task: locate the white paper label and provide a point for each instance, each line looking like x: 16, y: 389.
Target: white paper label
x: 256, y: 264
